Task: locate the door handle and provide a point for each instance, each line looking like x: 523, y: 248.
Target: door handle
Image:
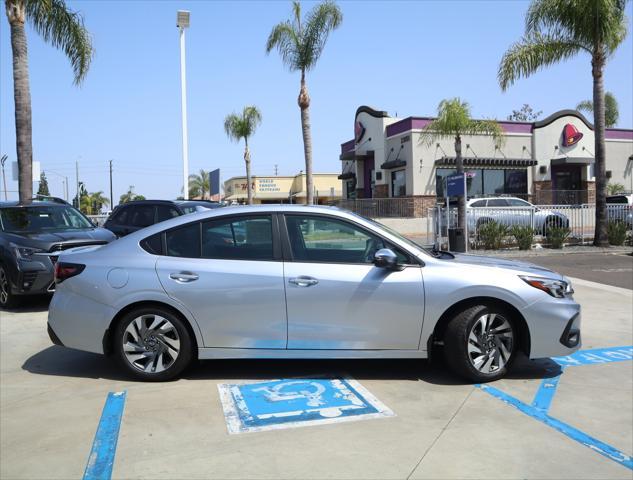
x: 184, y: 277
x: 303, y: 281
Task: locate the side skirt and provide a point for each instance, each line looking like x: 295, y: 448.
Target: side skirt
x: 225, y: 353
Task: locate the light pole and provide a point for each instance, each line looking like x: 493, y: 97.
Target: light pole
x: 4, y: 177
x: 64, y: 182
x: 182, y: 22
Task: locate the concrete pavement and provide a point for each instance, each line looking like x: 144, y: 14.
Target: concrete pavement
x: 51, y: 402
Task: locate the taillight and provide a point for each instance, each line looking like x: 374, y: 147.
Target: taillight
x: 65, y: 270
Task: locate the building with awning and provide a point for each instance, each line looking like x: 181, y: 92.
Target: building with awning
x: 547, y: 161
x: 283, y: 189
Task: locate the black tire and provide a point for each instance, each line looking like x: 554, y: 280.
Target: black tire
x: 456, y: 341
x: 185, y: 351
x: 7, y: 299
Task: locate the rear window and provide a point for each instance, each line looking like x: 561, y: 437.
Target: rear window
x: 497, y: 202
x: 478, y: 203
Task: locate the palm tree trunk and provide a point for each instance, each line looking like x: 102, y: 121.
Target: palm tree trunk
x: 247, y: 161
x: 600, y: 235
x: 461, y: 200
x: 304, y: 104
x: 22, y: 97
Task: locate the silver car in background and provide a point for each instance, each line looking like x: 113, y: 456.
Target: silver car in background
x: 302, y: 282
x: 512, y: 211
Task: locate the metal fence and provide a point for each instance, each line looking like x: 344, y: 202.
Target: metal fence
x: 405, y: 207
x: 580, y: 219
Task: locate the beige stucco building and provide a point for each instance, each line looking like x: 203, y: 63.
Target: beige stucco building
x: 548, y: 161
x: 283, y: 189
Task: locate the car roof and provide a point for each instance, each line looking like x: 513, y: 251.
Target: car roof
x: 145, y: 202
x: 34, y: 203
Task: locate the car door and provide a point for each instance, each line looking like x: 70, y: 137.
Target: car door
x: 337, y: 299
x: 228, y: 272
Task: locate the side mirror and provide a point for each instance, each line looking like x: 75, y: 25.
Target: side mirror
x: 385, y: 258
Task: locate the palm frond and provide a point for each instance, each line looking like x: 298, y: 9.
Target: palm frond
x: 65, y: 30
x: 320, y: 21
x: 585, y: 105
x: 285, y: 39
x: 531, y: 54
x: 244, y: 125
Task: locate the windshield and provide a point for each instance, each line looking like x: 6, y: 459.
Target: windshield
x: 40, y: 218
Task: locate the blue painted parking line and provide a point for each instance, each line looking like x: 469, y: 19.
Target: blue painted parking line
x: 572, y: 432
x: 545, y: 394
x: 596, y: 356
x: 101, y: 459
x: 286, y: 403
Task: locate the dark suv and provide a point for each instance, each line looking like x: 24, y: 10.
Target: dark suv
x: 132, y: 216
x: 31, y: 238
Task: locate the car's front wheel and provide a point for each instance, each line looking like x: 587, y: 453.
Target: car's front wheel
x: 7, y: 299
x: 480, y: 343
x: 153, y: 344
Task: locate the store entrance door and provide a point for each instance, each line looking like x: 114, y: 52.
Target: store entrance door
x: 567, y: 184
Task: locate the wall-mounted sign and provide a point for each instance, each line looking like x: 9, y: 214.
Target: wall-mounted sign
x: 405, y: 139
x: 268, y: 185
x: 571, y: 135
x: 359, y: 132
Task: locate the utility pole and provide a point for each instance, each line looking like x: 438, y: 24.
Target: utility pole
x: 4, y: 175
x: 276, y: 169
x: 77, y: 178
x: 111, y: 198
x: 182, y: 22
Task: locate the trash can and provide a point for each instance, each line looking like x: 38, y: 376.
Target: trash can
x: 456, y: 240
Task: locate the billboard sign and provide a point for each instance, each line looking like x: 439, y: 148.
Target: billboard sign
x: 214, y: 182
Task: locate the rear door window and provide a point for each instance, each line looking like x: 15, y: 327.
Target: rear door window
x: 238, y: 238
x: 142, y: 216
x: 478, y: 203
x: 184, y: 241
x: 165, y: 212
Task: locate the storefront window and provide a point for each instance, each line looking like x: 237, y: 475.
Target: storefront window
x: 398, y: 184
x: 486, y: 182
x: 494, y: 181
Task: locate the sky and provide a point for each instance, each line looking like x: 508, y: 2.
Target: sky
x: 399, y: 56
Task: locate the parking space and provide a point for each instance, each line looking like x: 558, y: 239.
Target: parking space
x: 414, y: 419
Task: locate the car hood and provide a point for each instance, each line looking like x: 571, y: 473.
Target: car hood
x: 495, y: 262
x: 45, y: 240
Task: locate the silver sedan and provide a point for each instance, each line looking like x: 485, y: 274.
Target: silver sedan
x: 302, y: 282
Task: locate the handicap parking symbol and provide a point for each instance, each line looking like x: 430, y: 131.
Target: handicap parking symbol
x: 287, y: 403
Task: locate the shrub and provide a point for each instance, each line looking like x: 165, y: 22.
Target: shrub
x: 556, y: 236
x: 616, y: 231
x: 524, y: 236
x: 491, y: 234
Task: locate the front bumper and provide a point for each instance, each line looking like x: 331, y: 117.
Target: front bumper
x: 554, y: 326
x: 34, y: 277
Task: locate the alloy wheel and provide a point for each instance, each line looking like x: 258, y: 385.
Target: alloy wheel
x: 151, y: 343
x: 490, y: 343
x: 4, y: 287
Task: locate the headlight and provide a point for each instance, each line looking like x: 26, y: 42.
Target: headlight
x: 25, y: 253
x: 555, y: 288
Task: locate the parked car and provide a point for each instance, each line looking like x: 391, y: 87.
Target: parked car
x: 620, y: 209
x: 303, y: 282
x: 32, y: 237
x: 512, y: 211
x: 132, y: 216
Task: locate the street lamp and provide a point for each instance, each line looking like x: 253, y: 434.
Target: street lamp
x: 182, y: 22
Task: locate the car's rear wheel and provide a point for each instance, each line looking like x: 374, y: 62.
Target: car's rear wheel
x: 153, y: 344
x: 7, y: 299
x: 480, y: 343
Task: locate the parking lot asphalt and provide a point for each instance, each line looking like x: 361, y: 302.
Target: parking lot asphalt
x: 51, y: 402
x: 610, y: 269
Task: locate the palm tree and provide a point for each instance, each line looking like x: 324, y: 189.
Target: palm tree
x: 453, y: 122
x: 130, y: 196
x: 64, y: 29
x: 244, y: 126
x: 199, y: 184
x: 300, y: 44
x: 97, y: 201
x: 611, y: 110
x: 556, y: 30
